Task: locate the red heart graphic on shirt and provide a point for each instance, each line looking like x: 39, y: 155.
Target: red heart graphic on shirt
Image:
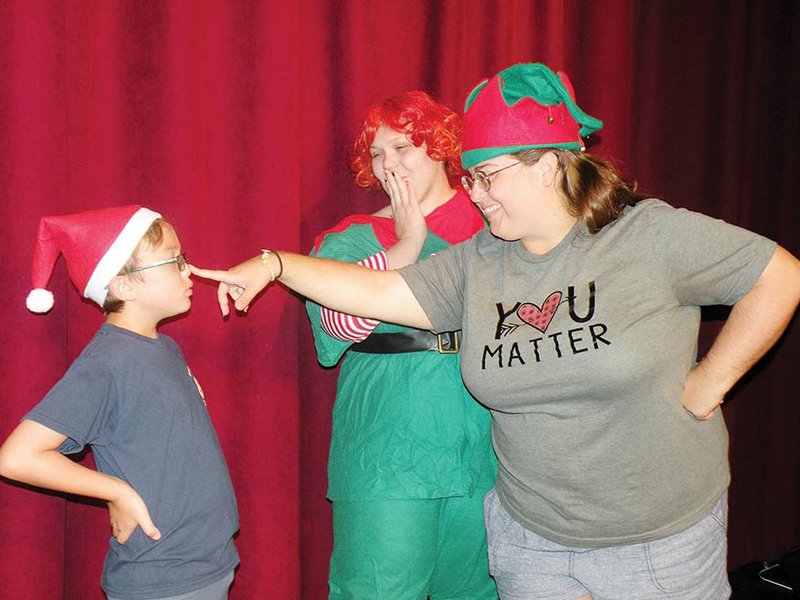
x: 539, y: 318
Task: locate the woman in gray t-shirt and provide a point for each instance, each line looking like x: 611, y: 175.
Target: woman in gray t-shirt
x: 580, y: 312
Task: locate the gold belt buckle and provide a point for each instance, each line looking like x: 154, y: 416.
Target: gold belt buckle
x: 456, y: 337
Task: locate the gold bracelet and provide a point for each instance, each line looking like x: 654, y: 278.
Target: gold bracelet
x: 265, y: 261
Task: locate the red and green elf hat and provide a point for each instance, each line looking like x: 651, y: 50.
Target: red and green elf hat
x: 522, y: 107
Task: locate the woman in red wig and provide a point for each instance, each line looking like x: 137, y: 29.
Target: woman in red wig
x: 410, y: 456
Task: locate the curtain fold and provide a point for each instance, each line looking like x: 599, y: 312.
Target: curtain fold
x: 234, y: 120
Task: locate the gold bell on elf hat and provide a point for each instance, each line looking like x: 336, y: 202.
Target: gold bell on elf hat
x: 96, y: 244
x: 524, y: 106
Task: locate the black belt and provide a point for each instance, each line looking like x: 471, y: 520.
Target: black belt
x: 410, y: 341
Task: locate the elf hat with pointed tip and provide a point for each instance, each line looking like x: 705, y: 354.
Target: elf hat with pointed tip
x: 96, y: 244
x: 524, y: 106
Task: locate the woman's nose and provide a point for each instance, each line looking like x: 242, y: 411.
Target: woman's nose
x: 389, y: 161
x: 477, y: 193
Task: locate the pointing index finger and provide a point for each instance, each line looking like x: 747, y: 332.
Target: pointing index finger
x: 221, y: 276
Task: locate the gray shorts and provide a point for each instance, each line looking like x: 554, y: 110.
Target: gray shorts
x: 215, y: 591
x: 689, y: 565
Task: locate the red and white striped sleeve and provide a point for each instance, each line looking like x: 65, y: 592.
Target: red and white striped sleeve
x: 346, y: 327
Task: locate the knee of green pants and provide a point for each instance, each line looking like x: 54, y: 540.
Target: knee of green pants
x: 383, y: 549
x: 410, y: 549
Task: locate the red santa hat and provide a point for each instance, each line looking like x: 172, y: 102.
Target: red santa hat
x: 96, y: 244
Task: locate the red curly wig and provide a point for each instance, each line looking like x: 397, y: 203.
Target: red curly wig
x: 424, y: 120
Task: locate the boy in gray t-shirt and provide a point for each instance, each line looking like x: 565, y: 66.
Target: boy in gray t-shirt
x: 131, y: 397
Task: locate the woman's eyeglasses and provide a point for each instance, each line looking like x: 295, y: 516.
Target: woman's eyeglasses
x: 179, y: 260
x: 482, y: 180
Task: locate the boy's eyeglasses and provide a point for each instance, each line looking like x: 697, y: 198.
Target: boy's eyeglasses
x: 482, y: 180
x: 179, y: 260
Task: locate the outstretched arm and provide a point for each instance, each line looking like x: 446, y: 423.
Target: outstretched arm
x: 753, y: 326
x: 349, y: 288
x: 30, y: 455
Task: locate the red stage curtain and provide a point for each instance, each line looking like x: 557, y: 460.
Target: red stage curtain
x: 233, y: 118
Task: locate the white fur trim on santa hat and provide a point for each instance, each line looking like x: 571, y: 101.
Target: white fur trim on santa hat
x: 39, y: 300
x: 118, y: 254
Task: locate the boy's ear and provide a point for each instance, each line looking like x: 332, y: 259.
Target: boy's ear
x: 121, y: 288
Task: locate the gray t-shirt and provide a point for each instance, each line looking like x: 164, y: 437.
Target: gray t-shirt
x: 134, y: 401
x: 581, y: 354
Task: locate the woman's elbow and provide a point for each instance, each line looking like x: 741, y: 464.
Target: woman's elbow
x: 781, y: 277
x: 791, y: 272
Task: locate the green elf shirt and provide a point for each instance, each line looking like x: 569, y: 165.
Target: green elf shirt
x: 404, y: 425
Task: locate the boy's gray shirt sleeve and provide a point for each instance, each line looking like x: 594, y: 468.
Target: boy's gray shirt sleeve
x: 78, y: 405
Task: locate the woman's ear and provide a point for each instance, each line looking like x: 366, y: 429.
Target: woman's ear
x: 120, y: 287
x: 548, y: 168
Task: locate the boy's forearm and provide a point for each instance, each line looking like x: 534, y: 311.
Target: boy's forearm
x: 22, y: 459
x: 56, y: 472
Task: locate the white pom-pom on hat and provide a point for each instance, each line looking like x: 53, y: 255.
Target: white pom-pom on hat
x: 39, y: 300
